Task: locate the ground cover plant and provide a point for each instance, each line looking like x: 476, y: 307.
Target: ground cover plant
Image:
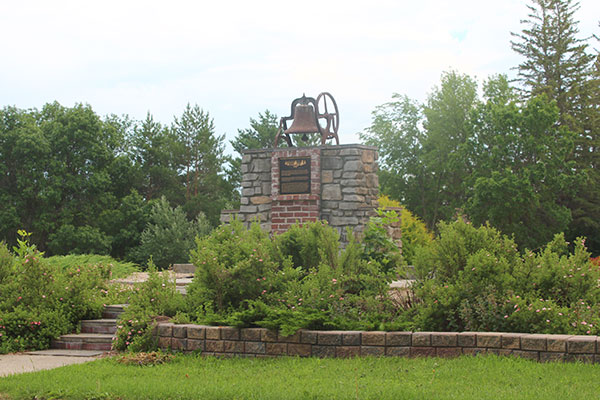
x: 192, y: 377
x: 118, y: 269
x: 42, y: 300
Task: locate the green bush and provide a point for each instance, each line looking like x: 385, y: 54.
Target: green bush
x: 377, y: 243
x: 299, y: 279
x: 41, y: 301
x: 169, y: 236
x: 474, y: 279
x: 118, y: 269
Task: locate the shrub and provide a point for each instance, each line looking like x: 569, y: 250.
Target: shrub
x: 169, y: 236
x: 41, y: 301
x: 378, y: 245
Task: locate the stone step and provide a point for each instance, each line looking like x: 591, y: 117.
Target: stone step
x: 184, y: 268
x: 113, y: 311
x: 106, y: 325
x: 84, y: 341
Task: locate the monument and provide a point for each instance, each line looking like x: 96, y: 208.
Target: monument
x: 284, y: 185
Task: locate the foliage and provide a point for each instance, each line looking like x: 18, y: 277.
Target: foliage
x: 142, y: 359
x: 378, y: 244
x: 157, y: 296
x: 169, y: 235
x: 299, y: 279
x: 475, y: 279
x: 118, y: 269
x: 42, y: 300
x: 414, y: 232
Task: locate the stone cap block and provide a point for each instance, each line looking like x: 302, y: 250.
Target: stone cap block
x: 467, y: 339
x: 533, y: 342
x: 581, y: 344
x: 511, y: 340
x: 398, y: 338
x: 489, y: 339
x: 444, y: 339
x: 421, y: 339
x: 373, y: 338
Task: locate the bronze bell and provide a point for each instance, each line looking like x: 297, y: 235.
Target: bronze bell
x: 304, y: 120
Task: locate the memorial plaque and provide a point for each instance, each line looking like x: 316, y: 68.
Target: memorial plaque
x: 294, y: 175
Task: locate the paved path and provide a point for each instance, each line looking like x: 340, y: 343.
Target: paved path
x: 21, y: 362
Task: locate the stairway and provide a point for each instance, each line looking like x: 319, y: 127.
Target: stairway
x: 96, y: 334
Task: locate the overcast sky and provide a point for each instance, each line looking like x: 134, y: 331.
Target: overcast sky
x: 237, y: 58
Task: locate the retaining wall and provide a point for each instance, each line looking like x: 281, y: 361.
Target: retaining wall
x: 260, y: 342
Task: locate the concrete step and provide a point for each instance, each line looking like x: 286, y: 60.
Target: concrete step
x: 113, y: 311
x: 106, y: 325
x: 184, y: 268
x: 66, y: 353
x: 84, y: 341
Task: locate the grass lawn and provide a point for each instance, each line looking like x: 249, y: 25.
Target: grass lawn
x: 194, y: 377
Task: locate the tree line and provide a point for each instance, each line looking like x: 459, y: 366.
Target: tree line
x: 523, y: 155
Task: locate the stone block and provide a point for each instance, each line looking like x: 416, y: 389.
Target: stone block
x: 309, y: 337
x: 268, y: 335
x: 422, y: 351
x: 354, y: 198
x: 329, y: 205
x: 350, y: 152
x: 511, y: 340
x: 251, y: 334
x: 329, y: 338
x: 277, y: 349
x: 353, y: 175
x: 195, y: 332
x: 398, y: 338
x: 343, y: 221
x: 331, y: 163
x: 195, y: 345
x: 246, y: 158
x: 178, y: 344
x: 505, y: 352
x: 529, y: 355
x: 546, y: 356
x: 266, y: 188
x: 301, y: 350
x: 213, y: 333
x: 331, y: 192
x: 374, y: 351
x: 164, y: 342
x: 326, y: 176
x: 260, y: 200
x: 473, y: 351
x: 533, y: 342
x: 180, y: 331
x: 247, y: 192
x: 347, y: 351
x: 355, y: 190
x: 230, y: 333
x: 581, y: 344
x: 489, y: 339
x: 444, y: 339
x: 372, y: 180
x: 351, y: 338
x: 352, y: 182
x: 373, y: 339
x: 368, y: 156
x: 261, y: 165
x: 584, y: 358
x: 421, y: 339
x: 255, y: 347
x: 349, y: 206
x: 248, y: 209
x: 214, y: 346
x: 165, y: 330
x: 395, y: 351
x: 294, y: 338
x: 448, y: 352
x: 233, y: 346
x: 264, y: 207
x: 467, y: 339
x: 323, y: 351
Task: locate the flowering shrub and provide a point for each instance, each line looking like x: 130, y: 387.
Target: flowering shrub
x: 41, y: 301
x: 299, y: 279
x: 474, y: 279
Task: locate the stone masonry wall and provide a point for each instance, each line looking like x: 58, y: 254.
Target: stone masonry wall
x: 260, y: 342
x: 344, y: 188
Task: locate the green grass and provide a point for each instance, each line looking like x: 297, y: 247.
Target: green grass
x: 120, y: 269
x: 191, y: 377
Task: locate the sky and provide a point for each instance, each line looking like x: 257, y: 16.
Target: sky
x: 238, y: 58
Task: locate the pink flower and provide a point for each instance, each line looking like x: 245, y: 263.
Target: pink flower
x: 334, y: 281
x: 341, y: 298
x: 506, y: 316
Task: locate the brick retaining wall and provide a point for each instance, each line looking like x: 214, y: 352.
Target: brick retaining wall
x: 260, y: 342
